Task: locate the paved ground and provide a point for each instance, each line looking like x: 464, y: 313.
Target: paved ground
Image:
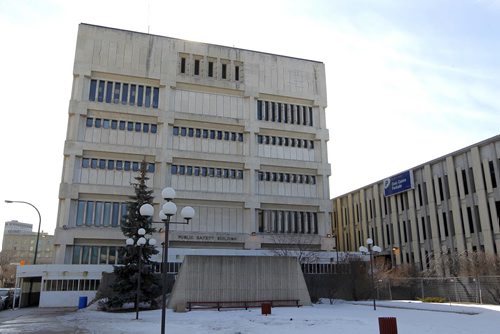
x: 38, y: 321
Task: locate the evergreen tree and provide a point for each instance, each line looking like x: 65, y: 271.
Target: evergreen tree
x: 125, y: 284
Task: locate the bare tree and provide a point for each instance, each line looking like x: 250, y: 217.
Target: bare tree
x: 7, y: 270
x: 301, y: 246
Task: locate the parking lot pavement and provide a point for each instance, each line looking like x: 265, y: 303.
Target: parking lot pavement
x: 38, y: 321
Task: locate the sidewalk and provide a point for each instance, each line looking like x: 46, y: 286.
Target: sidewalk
x: 37, y: 321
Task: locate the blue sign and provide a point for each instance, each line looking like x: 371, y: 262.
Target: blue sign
x: 398, y: 183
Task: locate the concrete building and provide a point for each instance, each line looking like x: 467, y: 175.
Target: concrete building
x: 240, y: 135
x: 447, y: 205
x: 19, y: 244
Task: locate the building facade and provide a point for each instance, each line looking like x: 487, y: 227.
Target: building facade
x: 240, y: 135
x: 19, y: 242
x: 450, y: 205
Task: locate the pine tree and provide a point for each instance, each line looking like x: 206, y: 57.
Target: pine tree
x: 125, y: 284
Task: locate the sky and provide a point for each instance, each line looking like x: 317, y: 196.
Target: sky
x: 407, y: 81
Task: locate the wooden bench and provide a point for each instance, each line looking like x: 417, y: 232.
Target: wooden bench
x: 246, y: 304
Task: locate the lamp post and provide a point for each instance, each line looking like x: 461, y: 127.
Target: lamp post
x: 168, y: 210
x: 371, y: 249
x: 39, y: 224
x: 140, y: 241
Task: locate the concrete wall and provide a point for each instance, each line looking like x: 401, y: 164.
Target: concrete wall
x: 239, y: 278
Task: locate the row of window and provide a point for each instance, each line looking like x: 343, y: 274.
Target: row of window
x: 207, y: 171
x: 284, y: 113
x: 286, y: 177
x: 96, y: 213
x: 121, y: 125
x: 115, y: 165
x: 124, y: 93
x: 206, y: 133
x: 285, y: 141
x: 97, y: 255
x: 277, y: 221
x: 71, y: 285
x: 198, y: 68
x: 325, y: 268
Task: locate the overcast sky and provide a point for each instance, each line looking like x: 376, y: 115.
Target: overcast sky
x: 407, y: 81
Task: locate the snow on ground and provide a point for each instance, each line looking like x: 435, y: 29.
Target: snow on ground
x: 341, y: 317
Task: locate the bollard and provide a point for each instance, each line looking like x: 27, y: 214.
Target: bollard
x: 387, y: 325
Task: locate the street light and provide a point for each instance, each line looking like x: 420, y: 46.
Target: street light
x: 140, y: 241
x: 168, y: 210
x: 371, y: 249
x: 39, y: 224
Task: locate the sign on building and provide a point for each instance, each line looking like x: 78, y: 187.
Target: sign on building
x: 398, y: 183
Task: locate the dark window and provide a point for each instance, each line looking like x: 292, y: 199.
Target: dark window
x: 224, y: 71
x: 196, y: 67
x: 210, y: 69
x: 121, y: 126
x: 85, y: 162
x: 98, y: 122
x: 102, y: 164
x: 90, y: 122
x: 310, y: 116
x: 93, y: 88
x: 126, y: 165
x: 219, y: 135
x: 135, y: 166
x: 109, y: 91
x: 233, y: 136
x: 100, y: 91
x: 183, y: 65
x: 119, y: 165
x: 232, y: 173
x: 237, y: 73
x: 198, y: 133
x: 132, y: 94
x: 218, y: 172
x: 203, y: 171
x: 153, y: 128
x: 304, y: 115
x: 311, y: 144
x: 440, y: 184
x: 471, y: 222
x: 183, y: 132
x: 130, y: 126
x: 147, y: 103
x: 182, y: 170
x: 212, y: 134
x: 114, y: 219
x: 279, y: 112
x: 492, y: 174
x: 114, y: 124
x: 156, y: 97
x: 285, y: 141
x: 111, y: 164
x: 196, y: 171
x: 259, y: 110
x: 189, y: 170
x: 239, y: 174
x: 138, y: 127
x: 89, y: 213
x: 105, y: 123
x: 145, y: 127
x: 93, y: 163
x: 226, y: 135
x: 116, y: 93
x: 124, y: 93
x: 140, y: 95
x: 273, y: 111
x: 190, y: 132
x: 211, y: 171
x: 175, y: 131
x: 240, y: 137
x: 151, y: 168
x: 173, y: 169
x: 464, y: 179
x: 259, y: 139
x: 205, y: 133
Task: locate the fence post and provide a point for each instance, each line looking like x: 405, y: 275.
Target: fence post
x: 390, y: 292
x: 480, y: 292
x: 422, y: 287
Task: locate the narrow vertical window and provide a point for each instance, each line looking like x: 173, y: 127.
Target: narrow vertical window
x: 147, y: 103
x: 124, y: 93
x: 237, y: 73
x: 114, y: 124
x: 132, y: 94
x: 304, y: 116
x: 298, y: 114
x: 80, y: 211
x: 106, y: 214
x: 259, y: 110
x: 115, y: 215
x: 89, y: 213
x: 196, y: 67
x: 210, y: 69
x: 224, y: 71
x: 156, y: 97
x: 116, y: 93
x: 140, y: 95
x: 98, y: 213
x: 153, y: 128
x: 310, y: 116
x: 183, y: 65
x: 492, y: 174
x: 121, y: 125
x: 77, y: 250
x: 90, y: 122
x: 109, y: 91
x: 100, y: 91
x: 285, y: 113
x: 93, y: 88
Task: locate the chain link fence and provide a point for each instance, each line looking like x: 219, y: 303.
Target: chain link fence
x: 481, y: 289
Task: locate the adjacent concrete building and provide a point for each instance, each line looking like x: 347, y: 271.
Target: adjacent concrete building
x: 447, y: 205
x: 240, y: 135
x: 19, y: 244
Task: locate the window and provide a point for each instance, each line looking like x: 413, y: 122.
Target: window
x: 116, y: 93
x: 89, y: 213
x: 138, y: 127
x: 102, y: 164
x: 145, y: 128
x: 173, y: 169
x: 183, y: 65
x: 175, y: 131
x: 132, y: 94
x: 153, y: 128
x: 100, y: 91
x: 224, y: 71
x: 119, y: 165
x: 196, y: 67
x: 126, y: 166
x: 210, y: 69
x: 130, y: 126
x: 156, y: 97
x: 151, y: 167
x: 93, y: 87
x: 111, y: 164
x: 93, y: 163
x: 85, y: 163
x: 121, y: 125
x: 147, y: 103
x: 237, y: 73
x: 89, y: 122
x: 124, y: 93
x: 109, y: 91
x: 114, y: 124
x: 105, y: 123
x: 80, y: 211
x: 140, y: 95
x: 190, y: 132
x: 115, y: 214
x: 198, y: 133
x: 98, y: 122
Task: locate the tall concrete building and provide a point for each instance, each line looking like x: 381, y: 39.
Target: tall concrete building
x: 19, y: 242
x: 240, y: 135
x: 447, y: 205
